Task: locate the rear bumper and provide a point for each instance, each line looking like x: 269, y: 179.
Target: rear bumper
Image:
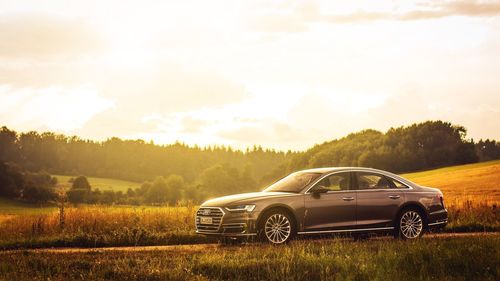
x: 438, y: 219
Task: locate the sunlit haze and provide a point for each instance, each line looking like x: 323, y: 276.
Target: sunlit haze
x: 281, y: 74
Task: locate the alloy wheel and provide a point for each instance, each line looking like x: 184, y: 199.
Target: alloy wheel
x: 411, y: 225
x: 277, y: 228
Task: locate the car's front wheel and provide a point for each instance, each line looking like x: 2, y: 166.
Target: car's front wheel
x: 277, y: 227
x: 410, y: 225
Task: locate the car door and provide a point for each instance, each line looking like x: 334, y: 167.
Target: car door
x: 378, y: 200
x: 333, y: 210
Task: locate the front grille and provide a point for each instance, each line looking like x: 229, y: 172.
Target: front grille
x: 215, y: 213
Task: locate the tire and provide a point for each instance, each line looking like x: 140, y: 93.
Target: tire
x: 277, y: 227
x: 410, y: 225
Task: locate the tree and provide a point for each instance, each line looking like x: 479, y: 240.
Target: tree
x: 9, y: 150
x: 38, y: 187
x: 108, y: 197
x: 78, y: 195
x: 158, y: 192
x: 39, y: 194
x: 194, y: 193
x: 130, y: 192
x: 11, y: 180
x: 81, y: 191
x: 217, y: 181
x: 81, y: 182
x: 247, y: 178
x: 175, y: 185
x: 488, y: 150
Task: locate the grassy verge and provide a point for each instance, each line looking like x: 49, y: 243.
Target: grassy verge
x: 458, y: 258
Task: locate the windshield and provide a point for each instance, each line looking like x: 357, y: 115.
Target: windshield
x: 293, y: 183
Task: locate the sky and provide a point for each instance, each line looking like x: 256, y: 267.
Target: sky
x: 281, y: 74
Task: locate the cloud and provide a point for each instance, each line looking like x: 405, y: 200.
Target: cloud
x: 267, y: 132
x: 278, y: 23
x: 151, y: 101
x: 54, y: 108
x: 167, y: 87
x: 434, y: 10
x: 297, y: 17
x: 192, y: 125
x: 42, y: 36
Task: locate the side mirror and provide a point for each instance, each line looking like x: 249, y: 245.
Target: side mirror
x: 319, y: 189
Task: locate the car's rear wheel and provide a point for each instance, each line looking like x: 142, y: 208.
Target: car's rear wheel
x: 410, y: 225
x: 277, y: 227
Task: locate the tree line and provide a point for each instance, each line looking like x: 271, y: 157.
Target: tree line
x: 179, y: 172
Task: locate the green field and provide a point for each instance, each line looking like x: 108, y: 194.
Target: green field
x: 101, y: 183
x: 9, y: 207
x: 437, y: 258
x: 13, y: 207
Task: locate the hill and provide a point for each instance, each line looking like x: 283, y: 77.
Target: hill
x: 479, y: 182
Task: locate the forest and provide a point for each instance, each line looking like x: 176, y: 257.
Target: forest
x: 178, y: 172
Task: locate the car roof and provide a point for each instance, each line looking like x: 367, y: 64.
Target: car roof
x: 327, y: 170
x: 335, y: 169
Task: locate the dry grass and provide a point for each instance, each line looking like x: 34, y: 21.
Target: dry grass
x: 120, y: 226
x: 98, y: 220
x: 460, y: 258
x: 477, y: 183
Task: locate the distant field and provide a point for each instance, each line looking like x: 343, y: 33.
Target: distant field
x: 101, y: 183
x: 479, y: 182
x: 12, y: 207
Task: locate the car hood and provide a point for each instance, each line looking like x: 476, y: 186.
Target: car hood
x: 243, y: 197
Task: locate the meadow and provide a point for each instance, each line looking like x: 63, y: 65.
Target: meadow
x: 24, y: 226
x: 100, y: 183
x: 478, y: 182
x: 443, y: 258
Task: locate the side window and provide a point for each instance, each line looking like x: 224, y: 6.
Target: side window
x: 372, y: 181
x: 398, y: 184
x: 335, y: 182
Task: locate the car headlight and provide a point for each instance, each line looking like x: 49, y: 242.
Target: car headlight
x: 240, y: 208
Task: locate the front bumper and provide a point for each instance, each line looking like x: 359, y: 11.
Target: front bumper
x: 227, y: 224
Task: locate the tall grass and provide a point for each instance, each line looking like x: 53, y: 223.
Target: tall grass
x: 102, y: 226
x: 93, y: 226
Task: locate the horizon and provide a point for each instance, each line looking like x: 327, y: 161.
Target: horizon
x: 285, y: 75
x: 241, y: 149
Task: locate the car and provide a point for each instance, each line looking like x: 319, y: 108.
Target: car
x: 326, y: 200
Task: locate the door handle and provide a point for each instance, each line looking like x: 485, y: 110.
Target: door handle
x: 394, y: 196
x: 347, y: 198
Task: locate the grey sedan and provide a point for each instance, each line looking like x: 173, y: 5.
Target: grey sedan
x: 326, y: 200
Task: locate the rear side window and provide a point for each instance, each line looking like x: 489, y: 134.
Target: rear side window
x: 367, y: 181
x: 398, y: 184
